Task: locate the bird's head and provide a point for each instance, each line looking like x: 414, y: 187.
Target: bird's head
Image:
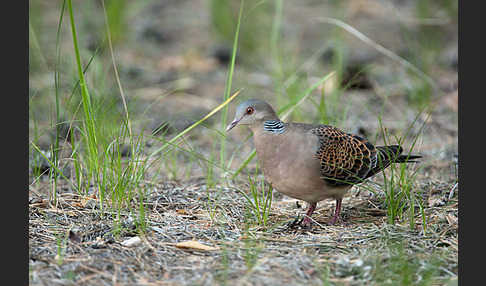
x: 252, y: 112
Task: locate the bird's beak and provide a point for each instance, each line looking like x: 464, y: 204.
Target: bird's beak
x: 232, y: 124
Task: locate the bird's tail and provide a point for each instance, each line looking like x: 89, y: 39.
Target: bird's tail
x: 407, y: 158
x: 390, y: 154
x: 393, y: 154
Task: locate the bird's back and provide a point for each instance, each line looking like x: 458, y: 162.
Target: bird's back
x: 350, y: 159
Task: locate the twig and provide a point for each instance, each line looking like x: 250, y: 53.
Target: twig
x: 451, y: 193
x: 379, y: 48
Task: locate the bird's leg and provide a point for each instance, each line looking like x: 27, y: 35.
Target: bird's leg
x: 337, y: 211
x: 307, y: 220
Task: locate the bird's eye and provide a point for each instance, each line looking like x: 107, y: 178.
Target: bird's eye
x: 250, y: 110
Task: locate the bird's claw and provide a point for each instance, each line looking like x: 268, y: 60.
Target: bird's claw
x: 296, y: 222
x: 302, y: 222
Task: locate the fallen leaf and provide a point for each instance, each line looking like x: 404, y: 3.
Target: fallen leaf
x: 194, y: 245
x: 77, y: 205
x: 38, y: 202
x: 88, y: 201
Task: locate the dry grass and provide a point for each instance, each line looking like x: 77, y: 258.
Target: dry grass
x: 72, y: 244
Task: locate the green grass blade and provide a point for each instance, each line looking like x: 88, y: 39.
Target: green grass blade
x: 348, y: 28
x: 89, y: 123
x: 185, y: 131
x: 229, y: 80
x: 52, y: 164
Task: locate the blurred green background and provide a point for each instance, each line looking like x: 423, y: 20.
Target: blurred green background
x: 173, y: 59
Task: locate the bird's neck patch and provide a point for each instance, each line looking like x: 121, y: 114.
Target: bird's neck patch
x: 274, y: 126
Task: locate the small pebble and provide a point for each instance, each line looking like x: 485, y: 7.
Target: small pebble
x: 133, y: 241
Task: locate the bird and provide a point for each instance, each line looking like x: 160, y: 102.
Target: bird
x: 312, y: 162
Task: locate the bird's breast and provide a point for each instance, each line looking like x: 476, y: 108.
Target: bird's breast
x: 290, y: 165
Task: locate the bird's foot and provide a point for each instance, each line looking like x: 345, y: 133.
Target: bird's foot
x: 296, y: 222
x: 336, y: 220
x: 299, y: 222
x: 306, y: 223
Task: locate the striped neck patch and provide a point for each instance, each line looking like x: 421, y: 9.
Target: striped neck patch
x: 274, y: 126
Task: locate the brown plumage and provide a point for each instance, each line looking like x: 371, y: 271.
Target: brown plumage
x: 312, y: 162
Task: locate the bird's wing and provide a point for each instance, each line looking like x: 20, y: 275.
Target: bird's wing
x: 345, y: 158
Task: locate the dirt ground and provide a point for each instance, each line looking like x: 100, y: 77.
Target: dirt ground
x: 173, y: 69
